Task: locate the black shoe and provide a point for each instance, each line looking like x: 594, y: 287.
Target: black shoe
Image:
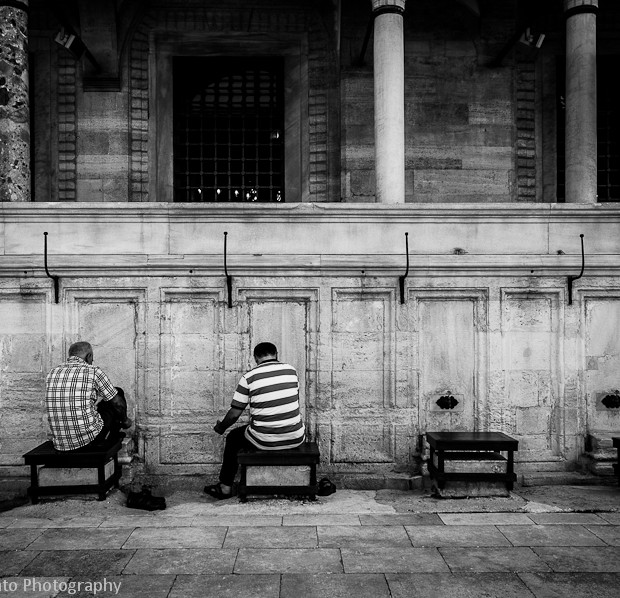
x: 145, y: 501
x: 326, y: 487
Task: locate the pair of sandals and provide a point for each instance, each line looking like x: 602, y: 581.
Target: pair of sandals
x: 216, y: 491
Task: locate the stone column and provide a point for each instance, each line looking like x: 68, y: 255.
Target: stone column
x: 389, y: 78
x: 14, y: 102
x: 581, y: 150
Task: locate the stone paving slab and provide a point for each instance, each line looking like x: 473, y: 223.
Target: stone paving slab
x: 33, y: 588
x: 87, y: 563
x: 181, y: 561
x: 17, y: 539
x: 129, y: 586
x: 226, y: 586
x: 236, y: 520
x: 610, y: 534
x: 183, y: 537
x: 507, y: 559
x: 365, y: 536
x: 568, y: 519
x: 12, y: 562
x: 485, y: 519
x: 393, y: 560
x: 550, y: 535
x: 145, y: 521
x: 462, y: 585
x: 334, y: 586
x: 318, y: 519
x: 31, y: 522
x: 571, y: 585
x: 272, y: 537
x: 457, y: 535
x: 80, y: 539
x: 288, y: 560
x: 401, y: 519
x: 583, y: 558
x: 613, y: 518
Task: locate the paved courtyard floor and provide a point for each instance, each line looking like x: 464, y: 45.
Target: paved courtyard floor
x: 547, y: 541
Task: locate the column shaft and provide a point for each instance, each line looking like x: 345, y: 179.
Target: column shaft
x: 14, y: 103
x: 581, y: 139
x: 389, y: 82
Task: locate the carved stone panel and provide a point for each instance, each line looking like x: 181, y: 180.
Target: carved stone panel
x: 288, y: 319
x: 24, y: 360
x: 602, y: 375
x: 362, y: 440
x: 448, y: 360
x: 113, y: 322
x: 190, y: 356
x: 531, y: 361
x: 362, y: 350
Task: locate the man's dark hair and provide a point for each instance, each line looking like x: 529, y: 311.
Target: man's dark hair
x: 264, y: 350
x: 81, y: 349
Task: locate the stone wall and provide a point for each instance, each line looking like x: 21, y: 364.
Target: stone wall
x: 489, y: 324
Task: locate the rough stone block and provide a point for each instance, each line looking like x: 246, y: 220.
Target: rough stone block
x: 472, y: 466
x: 69, y: 476
x: 278, y: 475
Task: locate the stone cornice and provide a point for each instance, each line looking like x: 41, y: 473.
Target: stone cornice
x: 318, y: 212
x: 308, y: 239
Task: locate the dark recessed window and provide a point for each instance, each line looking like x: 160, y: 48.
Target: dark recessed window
x: 228, y: 129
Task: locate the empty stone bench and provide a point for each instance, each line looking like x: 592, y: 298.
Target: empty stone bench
x: 288, y: 472
x: 55, y: 472
x: 473, y: 460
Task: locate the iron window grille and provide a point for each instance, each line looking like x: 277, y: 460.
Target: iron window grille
x: 228, y: 129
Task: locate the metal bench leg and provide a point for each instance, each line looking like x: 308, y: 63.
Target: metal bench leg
x: 510, y: 470
x: 243, y: 497
x: 34, y: 484
x: 312, y: 495
x: 101, y: 480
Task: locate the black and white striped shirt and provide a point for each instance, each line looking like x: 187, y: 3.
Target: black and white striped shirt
x: 271, y: 390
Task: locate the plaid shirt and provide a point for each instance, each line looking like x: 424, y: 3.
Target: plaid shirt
x: 72, y: 390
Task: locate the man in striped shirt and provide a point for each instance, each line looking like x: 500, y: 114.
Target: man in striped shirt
x: 271, y: 390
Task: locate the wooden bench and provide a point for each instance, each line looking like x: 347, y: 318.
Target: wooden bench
x: 471, y: 446
x: 288, y: 472
x: 616, y: 443
x: 45, y: 455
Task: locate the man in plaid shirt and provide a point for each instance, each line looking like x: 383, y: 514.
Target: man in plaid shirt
x: 83, y: 407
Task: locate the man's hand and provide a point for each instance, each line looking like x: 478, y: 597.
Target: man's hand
x: 229, y: 419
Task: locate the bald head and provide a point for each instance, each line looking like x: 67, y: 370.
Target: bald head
x: 81, y: 349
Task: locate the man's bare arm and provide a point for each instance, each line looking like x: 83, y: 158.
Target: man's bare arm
x: 229, y: 419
